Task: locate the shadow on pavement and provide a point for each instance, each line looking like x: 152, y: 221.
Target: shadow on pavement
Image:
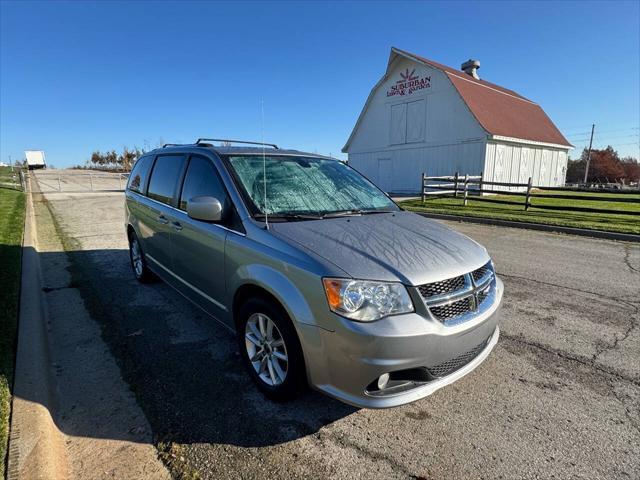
x: 180, y: 363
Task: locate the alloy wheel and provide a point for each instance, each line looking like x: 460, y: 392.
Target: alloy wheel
x: 266, y: 349
x: 136, y: 257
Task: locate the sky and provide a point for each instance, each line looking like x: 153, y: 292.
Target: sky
x: 81, y: 76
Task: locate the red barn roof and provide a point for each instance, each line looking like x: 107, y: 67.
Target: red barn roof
x: 500, y: 111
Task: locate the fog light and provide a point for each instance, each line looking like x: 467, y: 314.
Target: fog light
x: 383, y: 380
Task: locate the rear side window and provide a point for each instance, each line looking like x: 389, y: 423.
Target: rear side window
x: 202, y: 179
x: 164, y: 178
x: 139, y: 174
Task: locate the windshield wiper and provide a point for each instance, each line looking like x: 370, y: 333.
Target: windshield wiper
x: 289, y: 216
x: 347, y: 213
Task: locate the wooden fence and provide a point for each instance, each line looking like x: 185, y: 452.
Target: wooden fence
x: 458, y: 186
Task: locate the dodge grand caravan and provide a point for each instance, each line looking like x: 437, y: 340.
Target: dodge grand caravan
x: 324, y: 279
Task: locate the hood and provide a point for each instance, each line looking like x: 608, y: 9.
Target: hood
x: 399, y: 246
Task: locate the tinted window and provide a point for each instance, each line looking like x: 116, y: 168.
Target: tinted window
x: 164, y: 177
x: 202, y: 179
x: 139, y: 174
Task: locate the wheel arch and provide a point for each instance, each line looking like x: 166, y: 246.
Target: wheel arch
x: 252, y: 290
x: 130, y: 230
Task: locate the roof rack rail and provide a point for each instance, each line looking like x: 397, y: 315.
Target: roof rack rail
x: 203, y: 140
x: 172, y: 145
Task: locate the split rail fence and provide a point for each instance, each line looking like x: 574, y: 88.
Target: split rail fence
x: 474, y: 186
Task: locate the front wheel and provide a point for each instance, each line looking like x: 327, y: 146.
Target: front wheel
x: 270, y: 349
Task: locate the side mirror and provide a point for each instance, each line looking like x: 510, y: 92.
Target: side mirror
x: 207, y: 209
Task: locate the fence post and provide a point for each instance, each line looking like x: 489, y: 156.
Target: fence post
x: 455, y: 185
x: 422, y: 189
x: 59, y: 184
x: 466, y: 183
x: 480, y: 184
x: 526, y: 201
x: 91, y: 180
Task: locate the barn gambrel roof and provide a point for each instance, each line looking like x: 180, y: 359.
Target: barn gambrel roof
x: 501, y: 112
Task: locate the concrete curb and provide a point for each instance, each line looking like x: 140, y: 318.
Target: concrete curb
x: 583, y: 232
x: 36, y: 446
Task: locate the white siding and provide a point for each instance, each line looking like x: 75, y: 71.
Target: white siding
x: 403, y: 173
x: 515, y: 163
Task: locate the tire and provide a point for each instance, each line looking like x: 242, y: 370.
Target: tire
x: 283, y: 340
x: 138, y: 262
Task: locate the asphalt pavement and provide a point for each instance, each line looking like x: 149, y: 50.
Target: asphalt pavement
x: 559, y: 397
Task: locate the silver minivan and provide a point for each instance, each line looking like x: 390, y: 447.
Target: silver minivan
x: 324, y: 279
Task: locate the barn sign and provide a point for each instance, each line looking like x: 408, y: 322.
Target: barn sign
x: 409, y: 83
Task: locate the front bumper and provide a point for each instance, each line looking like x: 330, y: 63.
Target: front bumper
x: 343, y: 363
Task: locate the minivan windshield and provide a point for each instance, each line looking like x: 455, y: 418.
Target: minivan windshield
x: 299, y: 186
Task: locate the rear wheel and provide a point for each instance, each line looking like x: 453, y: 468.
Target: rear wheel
x: 138, y: 262
x: 270, y: 349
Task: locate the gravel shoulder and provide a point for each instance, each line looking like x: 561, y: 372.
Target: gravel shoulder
x: 558, y: 397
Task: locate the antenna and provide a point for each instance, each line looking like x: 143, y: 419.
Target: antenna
x: 264, y: 169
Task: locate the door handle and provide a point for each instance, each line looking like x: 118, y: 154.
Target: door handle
x: 163, y: 220
x: 176, y: 226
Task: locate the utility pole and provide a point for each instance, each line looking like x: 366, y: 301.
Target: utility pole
x: 586, y: 170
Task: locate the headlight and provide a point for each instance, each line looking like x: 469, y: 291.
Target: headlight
x: 364, y: 300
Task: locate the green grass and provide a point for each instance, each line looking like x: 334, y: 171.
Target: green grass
x: 595, y: 221
x: 12, y: 208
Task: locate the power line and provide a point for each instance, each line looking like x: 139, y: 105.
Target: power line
x: 605, y: 138
x: 620, y: 130
x: 625, y: 144
x: 606, y: 131
x: 571, y: 134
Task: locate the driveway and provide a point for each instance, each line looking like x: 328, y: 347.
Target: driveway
x: 558, y: 397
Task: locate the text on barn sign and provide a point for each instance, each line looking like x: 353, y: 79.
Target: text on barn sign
x: 408, y: 84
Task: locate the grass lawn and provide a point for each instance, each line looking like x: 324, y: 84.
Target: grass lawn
x: 595, y: 221
x: 12, y: 208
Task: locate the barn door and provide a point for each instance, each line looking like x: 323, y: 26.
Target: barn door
x: 384, y: 174
x: 398, y: 130
x: 415, y: 121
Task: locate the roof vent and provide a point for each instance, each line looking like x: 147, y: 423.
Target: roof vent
x: 470, y: 67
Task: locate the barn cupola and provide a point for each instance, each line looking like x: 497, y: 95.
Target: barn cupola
x: 471, y: 67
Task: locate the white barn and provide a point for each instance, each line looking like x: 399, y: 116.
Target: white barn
x: 426, y: 117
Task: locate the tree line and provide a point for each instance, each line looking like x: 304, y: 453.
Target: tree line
x: 112, y: 160
x: 605, y: 166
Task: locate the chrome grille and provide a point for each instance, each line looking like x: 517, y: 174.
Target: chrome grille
x: 441, y: 288
x: 478, y: 273
x: 454, y: 297
x: 446, y: 368
x: 452, y: 310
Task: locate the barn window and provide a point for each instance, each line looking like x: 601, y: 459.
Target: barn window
x: 398, y: 123
x: 407, y: 122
